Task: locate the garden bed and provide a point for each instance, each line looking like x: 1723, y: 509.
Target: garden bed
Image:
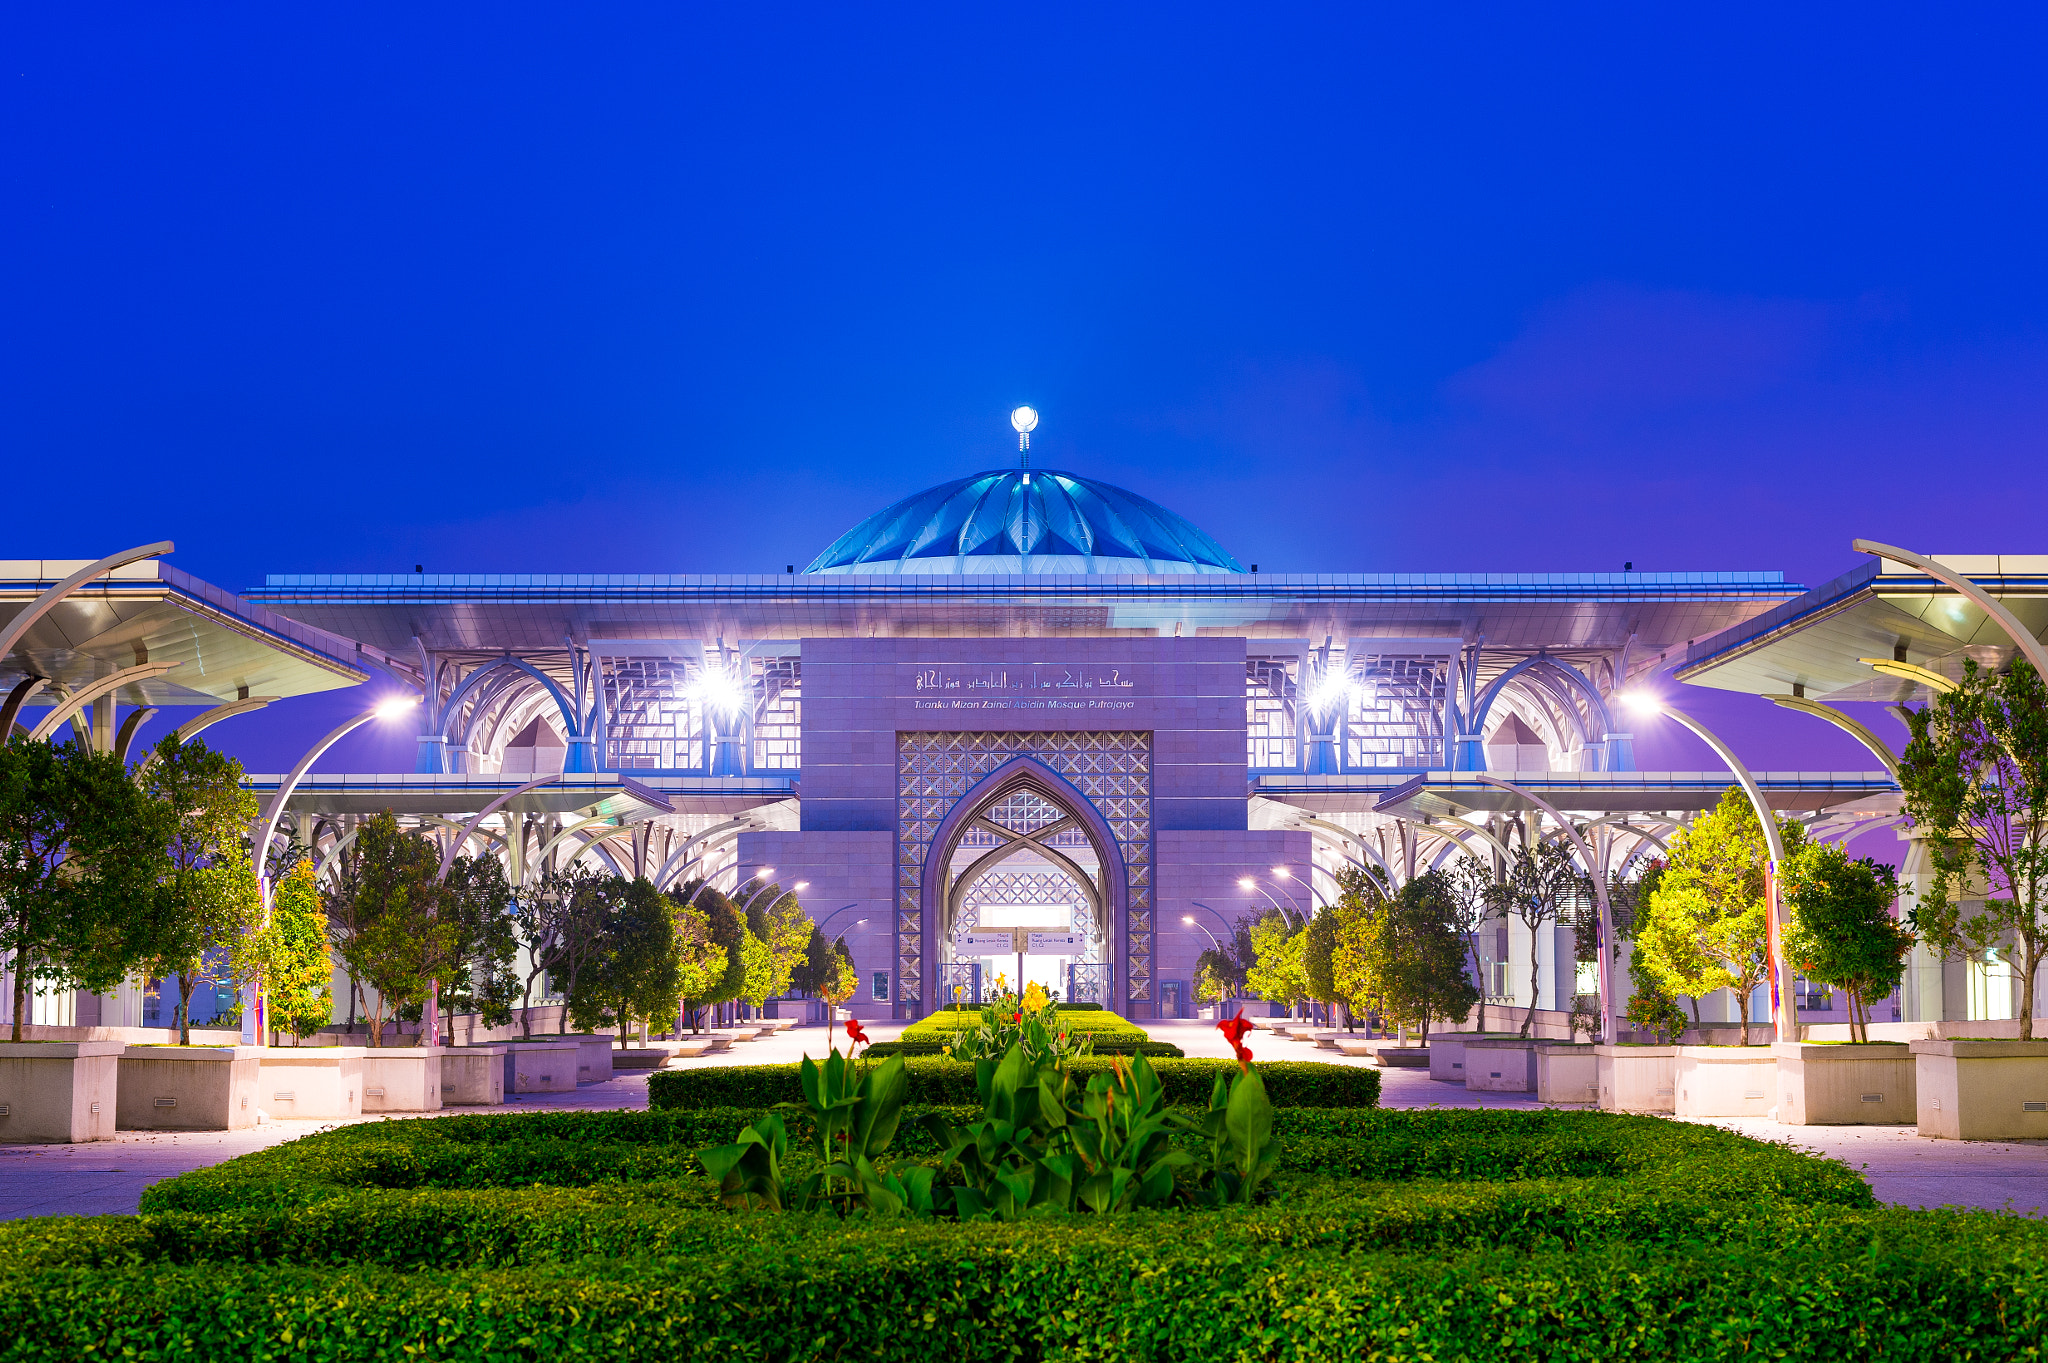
x: 1477, y: 1233
x: 1102, y: 1045
x: 1566, y: 1235
x: 937, y: 1080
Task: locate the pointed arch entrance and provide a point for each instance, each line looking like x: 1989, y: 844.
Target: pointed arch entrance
x: 1076, y: 804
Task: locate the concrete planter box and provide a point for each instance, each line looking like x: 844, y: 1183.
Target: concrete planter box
x: 402, y: 1079
x: 541, y: 1066
x: 594, y: 1059
x: 1447, y: 1053
x: 1501, y: 1066
x: 188, y: 1088
x: 1981, y: 1090
x: 310, y: 1081
x: 640, y: 1058
x: 1567, y: 1073
x: 1844, y: 1085
x: 1637, y: 1078
x: 1726, y: 1081
x: 58, y: 1091
x: 473, y: 1076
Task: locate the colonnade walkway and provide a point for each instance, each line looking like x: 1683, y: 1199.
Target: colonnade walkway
x: 109, y: 1176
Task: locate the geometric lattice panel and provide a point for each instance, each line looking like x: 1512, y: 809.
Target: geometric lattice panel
x: 1113, y: 770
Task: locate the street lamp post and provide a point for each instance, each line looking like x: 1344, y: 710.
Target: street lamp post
x: 1784, y: 1003
x: 253, y: 1020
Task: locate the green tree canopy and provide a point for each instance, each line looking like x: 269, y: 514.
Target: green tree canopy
x: 208, y: 899
x: 558, y: 917
x: 83, y: 852
x: 1843, y: 933
x: 1975, y: 774
x: 476, y: 903
x: 1422, y: 955
x: 701, y: 961
x: 1704, y: 927
x: 381, y: 918
x: 288, y: 956
x: 1276, y: 973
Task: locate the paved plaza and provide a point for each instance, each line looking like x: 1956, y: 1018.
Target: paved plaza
x: 109, y: 1176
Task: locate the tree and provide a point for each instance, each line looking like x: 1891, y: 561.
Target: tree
x: 844, y: 980
x: 1318, y: 942
x: 778, y: 920
x: 1705, y: 925
x: 287, y: 957
x: 701, y: 962
x: 1354, y: 960
x: 1474, y: 904
x: 758, y: 959
x: 208, y: 899
x: 1217, y: 976
x: 1542, y: 880
x: 82, y: 854
x: 1421, y: 956
x: 1275, y: 974
x: 476, y: 904
x: 633, y: 965
x: 1843, y: 934
x: 729, y: 931
x: 381, y: 918
x: 1975, y: 776
x: 558, y: 921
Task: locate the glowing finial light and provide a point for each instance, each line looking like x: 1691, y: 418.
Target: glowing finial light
x: 1024, y: 421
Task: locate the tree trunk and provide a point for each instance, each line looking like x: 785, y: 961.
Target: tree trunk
x: 1742, y: 1011
x: 185, y: 986
x: 1535, y: 979
x: 2029, y: 968
x: 20, y: 996
x: 1479, y: 969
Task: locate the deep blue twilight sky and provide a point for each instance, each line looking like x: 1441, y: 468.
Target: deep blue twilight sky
x: 661, y: 288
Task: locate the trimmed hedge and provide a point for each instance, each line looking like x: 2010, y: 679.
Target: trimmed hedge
x: 939, y: 1081
x: 1104, y: 1045
x: 1793, y: 1285
x: 946, y: 1023
x: 1564, y: 1235
x: 611, y: 1153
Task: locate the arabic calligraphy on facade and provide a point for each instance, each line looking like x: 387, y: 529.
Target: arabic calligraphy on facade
x: 1011, y: 680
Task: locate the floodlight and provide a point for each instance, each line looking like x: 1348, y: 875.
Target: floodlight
x: 396, y: 706
x: 718, y: 690
x: 1643, y: 703
x: 1024, y: 420
x: 1329, y: 691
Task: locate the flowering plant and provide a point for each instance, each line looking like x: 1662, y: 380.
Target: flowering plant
x: 1030, y: 1021
x: 1233, y: 1029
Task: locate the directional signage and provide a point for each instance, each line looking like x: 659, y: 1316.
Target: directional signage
x: 1057, y: 944
x: 971, y: 944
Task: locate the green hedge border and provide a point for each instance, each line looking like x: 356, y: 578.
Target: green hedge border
x: 940, y: 1081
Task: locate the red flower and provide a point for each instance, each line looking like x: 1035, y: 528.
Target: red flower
x: 1233, y: 1029
x: 1016, y: 1017
x: 854, y: 1031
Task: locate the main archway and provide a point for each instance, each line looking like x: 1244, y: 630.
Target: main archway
x: 1020, y: 814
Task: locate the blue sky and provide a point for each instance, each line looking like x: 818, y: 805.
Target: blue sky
x: 664, y: 288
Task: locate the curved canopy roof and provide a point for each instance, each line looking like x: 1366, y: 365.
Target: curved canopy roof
x: 1025, y: 521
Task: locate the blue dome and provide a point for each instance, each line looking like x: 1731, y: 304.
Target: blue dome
x: 1024, y: 521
